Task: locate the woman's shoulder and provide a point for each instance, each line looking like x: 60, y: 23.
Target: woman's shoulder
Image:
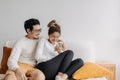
x: 42, y: 39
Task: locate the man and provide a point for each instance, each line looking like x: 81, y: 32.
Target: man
x: 21, y: 61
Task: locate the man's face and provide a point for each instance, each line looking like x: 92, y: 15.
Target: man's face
x: 34, y: 34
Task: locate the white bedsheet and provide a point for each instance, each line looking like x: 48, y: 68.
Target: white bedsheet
x: 2, y: 76
x: 101, y: 78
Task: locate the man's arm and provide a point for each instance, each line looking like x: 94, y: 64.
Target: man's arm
x: 14, y: 56
x: 20, y: 74
x: 13, y: 61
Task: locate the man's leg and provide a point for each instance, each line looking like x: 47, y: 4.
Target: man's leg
x: 31, y: 72
x: 36, y: 75
x: 10, y: 75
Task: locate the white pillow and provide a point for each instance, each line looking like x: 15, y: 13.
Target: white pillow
x: 102, y: 78
x: 2, y: 76
x: 10, y: 44
x: 83, y: 49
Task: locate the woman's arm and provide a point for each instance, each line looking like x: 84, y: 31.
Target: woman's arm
x: 39, y: 56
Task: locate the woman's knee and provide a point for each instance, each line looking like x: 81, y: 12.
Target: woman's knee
x: 69, y: 52
x: 80, y: 62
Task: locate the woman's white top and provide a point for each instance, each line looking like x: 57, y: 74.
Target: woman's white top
x: 45, y: 50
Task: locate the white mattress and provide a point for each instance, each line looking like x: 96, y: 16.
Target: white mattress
x: 2, y: 76
x: 101, y: 78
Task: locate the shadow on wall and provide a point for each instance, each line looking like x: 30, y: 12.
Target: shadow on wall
x: 83, y: 49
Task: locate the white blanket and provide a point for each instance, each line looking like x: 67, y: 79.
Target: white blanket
x: 101, y: 78
x: 2, y: 76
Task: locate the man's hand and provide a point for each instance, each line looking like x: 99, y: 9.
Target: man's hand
x: 20, y: 74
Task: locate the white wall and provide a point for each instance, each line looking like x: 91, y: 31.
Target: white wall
x: 96, y: 21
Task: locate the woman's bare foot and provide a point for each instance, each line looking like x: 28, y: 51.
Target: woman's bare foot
x: 60, y: 73
x: 64, y: 76
x: 61, y: 76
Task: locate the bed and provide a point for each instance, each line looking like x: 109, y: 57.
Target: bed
x: 102, y: 78
x: 9, y: 44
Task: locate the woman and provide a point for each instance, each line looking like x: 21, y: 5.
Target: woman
x: 55, y: 62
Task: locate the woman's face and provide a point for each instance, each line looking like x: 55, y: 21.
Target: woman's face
x: 54, y: 37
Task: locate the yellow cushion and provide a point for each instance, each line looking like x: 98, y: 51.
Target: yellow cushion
x: 90, y: 70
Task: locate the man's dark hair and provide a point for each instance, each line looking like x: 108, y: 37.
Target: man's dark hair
x: 30, y: 23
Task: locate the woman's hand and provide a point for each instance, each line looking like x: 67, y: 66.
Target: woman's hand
x: 59, y: 48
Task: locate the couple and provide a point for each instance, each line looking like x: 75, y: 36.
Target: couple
x: 34, y: 58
